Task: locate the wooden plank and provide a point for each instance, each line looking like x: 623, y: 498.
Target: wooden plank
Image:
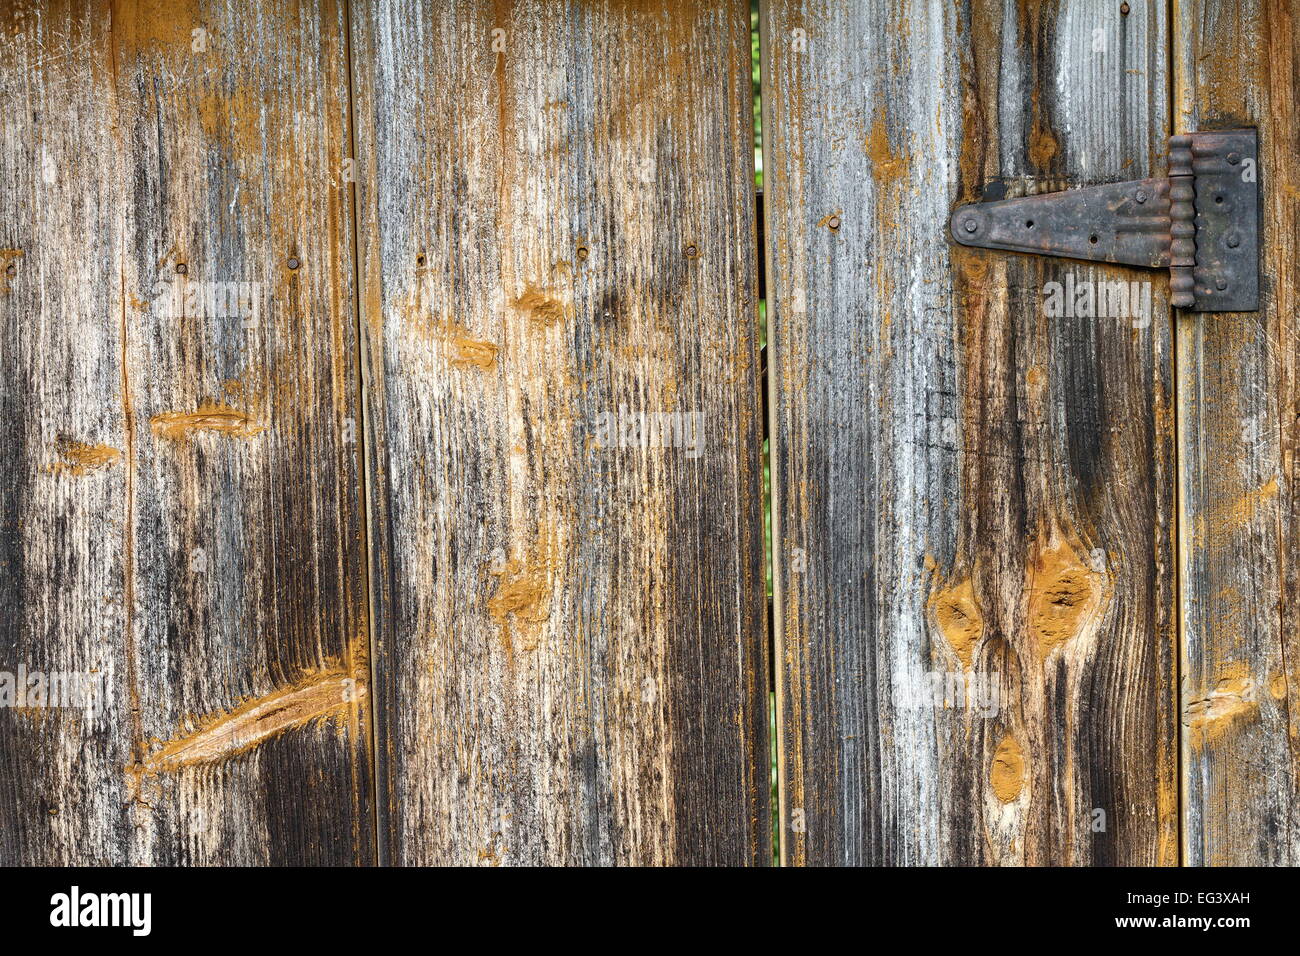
x: 183, y: 513
x: 556, y: 224
x: 965, y: 485
x: 1239, y: 423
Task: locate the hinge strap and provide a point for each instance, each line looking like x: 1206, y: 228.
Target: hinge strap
x: 1201, y: 221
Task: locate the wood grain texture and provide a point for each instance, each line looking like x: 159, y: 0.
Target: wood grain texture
x: 181, y: 510
x: 556, y: 223
x: 963, y: 484
x: 1239, y: 425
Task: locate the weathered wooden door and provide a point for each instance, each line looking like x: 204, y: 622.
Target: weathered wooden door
x: 382, y: 427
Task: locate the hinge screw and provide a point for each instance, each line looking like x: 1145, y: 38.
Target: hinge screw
x: 970, y: 225
x: 1233, y: 240
x: 1140, y: 196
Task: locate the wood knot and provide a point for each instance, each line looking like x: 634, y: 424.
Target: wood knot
x: 1007, y: 772
x: 541, y: 307
x: 1066, y: 597
x: 1231, y: 704
x: 958, y: 619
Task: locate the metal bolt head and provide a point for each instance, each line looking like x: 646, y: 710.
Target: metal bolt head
x: 11, y: 270
x: 1140, y: 195
x: 583, y: 252
x: 1233, y: 240
x: 1220, y: 284
x: 1234, y: 159
x: 970, y: 225
x: 1123, y: 9
x: 833, y: 222
x: 293, y: 262
x: 182, y: 268
x: 692, y: 252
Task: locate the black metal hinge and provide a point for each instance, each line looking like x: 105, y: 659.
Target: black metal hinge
x: 1201, y: 221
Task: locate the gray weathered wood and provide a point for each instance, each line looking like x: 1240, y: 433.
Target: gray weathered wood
x: 556, y: 222
x: 964, y: 485
x: 1239, y: 425
x: 181, y: 509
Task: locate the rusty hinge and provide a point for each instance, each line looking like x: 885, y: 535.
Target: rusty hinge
x: 1202, y: 221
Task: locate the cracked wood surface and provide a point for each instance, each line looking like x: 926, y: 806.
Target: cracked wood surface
x: 963, y: 486
x: 1239, y: 422
x: 555, y: 224
x: 181, y: 504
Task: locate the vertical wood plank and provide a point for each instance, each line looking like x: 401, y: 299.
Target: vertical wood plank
x: 1239, y: 424
x: 62, y: 447
x: 185, y: 514
x: 966, y: 488
x: 556, y: 224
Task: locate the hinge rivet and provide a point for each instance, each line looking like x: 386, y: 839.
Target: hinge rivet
x: 970, y: 225
x: 1233, y: 240
x: 1234, y: 159
x: 1141, y: 196
x: 1221, y: 284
